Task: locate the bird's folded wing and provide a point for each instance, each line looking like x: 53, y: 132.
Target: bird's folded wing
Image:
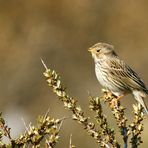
x: 126, y: 75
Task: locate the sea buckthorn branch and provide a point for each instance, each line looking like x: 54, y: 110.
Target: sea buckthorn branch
x: 34, y: 135
x: 46, y: 126
x: 70, y: 103
x: 107, y: 132
x: 119, y: 115
x: 4, y: 131
x: 137, y: 126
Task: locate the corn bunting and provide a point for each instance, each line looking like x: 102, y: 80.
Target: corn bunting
x: 115, y: 75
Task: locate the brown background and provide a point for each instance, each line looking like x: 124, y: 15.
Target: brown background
x: 60, y: 32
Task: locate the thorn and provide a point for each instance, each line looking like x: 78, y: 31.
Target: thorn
x: 24, y: 124
x: 46, y: 113
x: 70, y: 142
x: 89, y: 93
x: 44, y: 64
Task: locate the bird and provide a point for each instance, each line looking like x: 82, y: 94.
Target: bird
x: 115, y: 75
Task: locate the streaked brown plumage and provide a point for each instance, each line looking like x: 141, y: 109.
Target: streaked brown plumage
x: 115, y: 75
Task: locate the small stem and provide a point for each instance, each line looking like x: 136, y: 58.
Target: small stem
x: 136, y: 126
x: 118, y: 112
x: 125, y: 137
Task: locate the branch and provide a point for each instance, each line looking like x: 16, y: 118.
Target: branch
x: 70, y: 103
x: 119, y: 115
x: 136, y: 126
x: 107, y: 132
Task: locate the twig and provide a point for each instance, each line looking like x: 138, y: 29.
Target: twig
x: 108, y: 133
x: 44, y: 64
x: 118, y: 112
x: 26, y: 128
x: 47, y: 113
x: 136, y: 126
x: 5, y: 128
x: 70, y: 142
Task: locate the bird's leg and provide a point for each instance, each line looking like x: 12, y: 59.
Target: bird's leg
x: 119, y: 97
x: 115, y: 100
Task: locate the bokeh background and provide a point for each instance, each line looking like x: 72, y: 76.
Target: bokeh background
x: 60, y: 32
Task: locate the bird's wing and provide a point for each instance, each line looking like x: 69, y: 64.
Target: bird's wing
x: 119, y: 69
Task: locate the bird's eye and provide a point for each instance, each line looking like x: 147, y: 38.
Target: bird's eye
x: 98, y: 50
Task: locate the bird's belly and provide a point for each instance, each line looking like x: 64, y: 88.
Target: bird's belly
x: 106, y: 82
x: 101, y: 76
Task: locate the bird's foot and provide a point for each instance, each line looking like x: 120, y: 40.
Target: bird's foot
x: 115, y: 101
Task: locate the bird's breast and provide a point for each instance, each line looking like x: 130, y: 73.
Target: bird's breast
x: 101, y: 74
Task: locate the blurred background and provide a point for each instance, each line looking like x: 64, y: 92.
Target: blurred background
x: 60, y: 32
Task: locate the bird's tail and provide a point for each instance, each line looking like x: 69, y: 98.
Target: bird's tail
x: 139, y: 96
x: 144, y: 105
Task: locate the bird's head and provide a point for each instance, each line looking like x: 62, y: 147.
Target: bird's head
x: 102, y: 50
